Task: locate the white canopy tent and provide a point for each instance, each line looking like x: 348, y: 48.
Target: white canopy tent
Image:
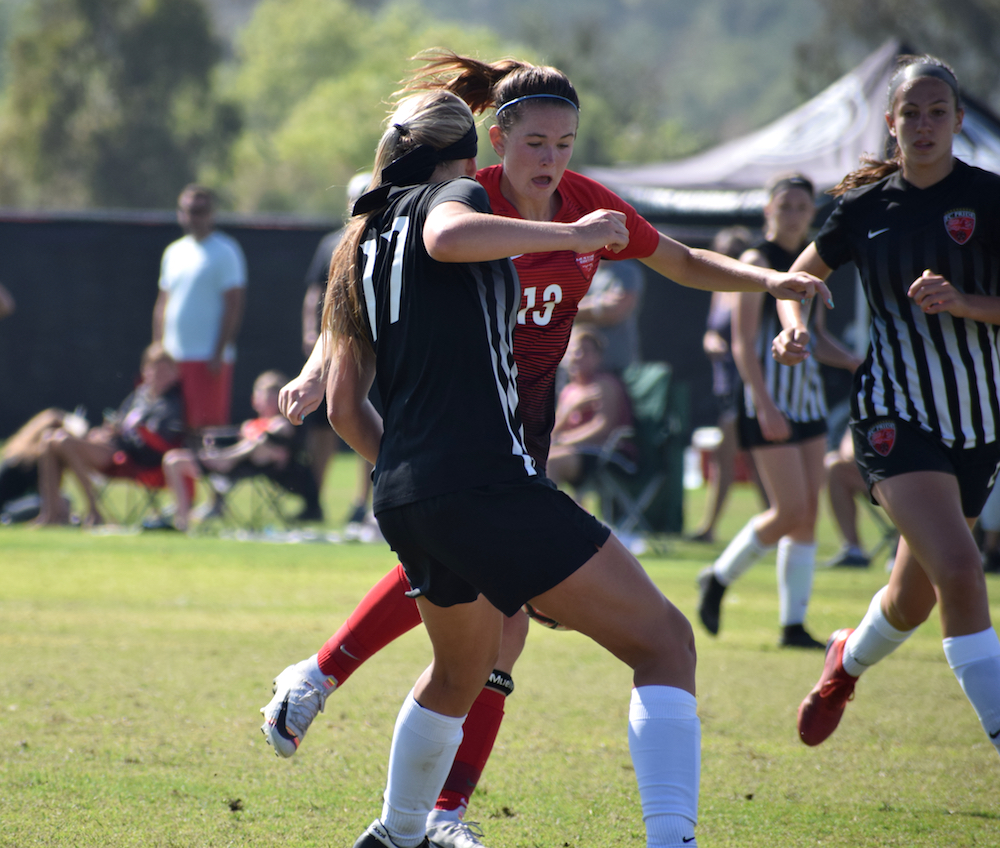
x: 823, y: 139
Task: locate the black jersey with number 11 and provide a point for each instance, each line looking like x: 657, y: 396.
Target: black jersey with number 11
x: 442, y: 334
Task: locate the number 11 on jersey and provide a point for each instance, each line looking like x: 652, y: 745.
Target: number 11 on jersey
x: 396, y: 237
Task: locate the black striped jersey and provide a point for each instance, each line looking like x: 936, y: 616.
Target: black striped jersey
x: 936, y: 371
x: 442, y: 334
x: 797, y: 390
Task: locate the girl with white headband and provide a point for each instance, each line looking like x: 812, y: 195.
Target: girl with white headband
x: 924, y: 231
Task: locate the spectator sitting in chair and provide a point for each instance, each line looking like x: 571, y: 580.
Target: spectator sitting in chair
x: 267, y: 445
x: 19, y: 498
x: 149, y: 422
x: 591, y: 406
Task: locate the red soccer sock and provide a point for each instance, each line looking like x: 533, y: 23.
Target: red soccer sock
x: 481, y: 727
x: 383, y: 615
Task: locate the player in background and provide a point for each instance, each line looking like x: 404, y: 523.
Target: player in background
x: 782, y: 423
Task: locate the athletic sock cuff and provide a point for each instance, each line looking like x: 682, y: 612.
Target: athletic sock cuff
x: 662, y: 702
x: 962, y: 650
x: 433, y: 726
x: 881, y: 623
x: 785, y: 543
x: 755, y: 540
x: 501, y: 682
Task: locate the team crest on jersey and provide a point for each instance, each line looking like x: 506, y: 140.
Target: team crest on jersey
x: 587, y: 263
x: 960, y: 224
x: 882, y: 437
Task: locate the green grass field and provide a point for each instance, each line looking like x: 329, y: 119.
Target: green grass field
x: 132, y: 669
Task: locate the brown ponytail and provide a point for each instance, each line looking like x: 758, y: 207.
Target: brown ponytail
x: 872, y: 170
x: 485, y: 85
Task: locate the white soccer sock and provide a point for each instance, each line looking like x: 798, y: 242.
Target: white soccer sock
x: 975, y: 659
x: 796, y: 564
x: 424, y: 744
x: 664, y: 738
x: 739, y: 555
x: 874, y: 638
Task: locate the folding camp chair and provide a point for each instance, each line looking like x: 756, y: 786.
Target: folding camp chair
x: 256, y: 497
x: 130, y: 500
x: 646, y: 495
x: 252, y: 502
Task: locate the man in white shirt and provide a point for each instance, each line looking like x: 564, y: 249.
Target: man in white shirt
x: 200, y: 308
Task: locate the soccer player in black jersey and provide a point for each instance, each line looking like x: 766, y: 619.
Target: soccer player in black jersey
x: 924, y: 231
x: 782, y: 423
x: 423, y: 299
x: 537, y: 108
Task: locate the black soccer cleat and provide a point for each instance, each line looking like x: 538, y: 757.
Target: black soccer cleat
x: 710, y: 600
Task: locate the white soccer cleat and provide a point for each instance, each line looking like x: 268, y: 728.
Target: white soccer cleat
x: 454, y: 834
x: 300, y: 694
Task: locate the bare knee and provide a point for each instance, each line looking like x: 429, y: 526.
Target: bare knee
x: 665, y: 651
x: 173, y: 458
x: 962, y: 579
x: 792, y: 516
x: 838, y: 473
x: 451, y: 688
x: 54, y: 442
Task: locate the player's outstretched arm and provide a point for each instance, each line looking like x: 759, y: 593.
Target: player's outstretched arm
x: 454, y: 232
x: 710, y: 271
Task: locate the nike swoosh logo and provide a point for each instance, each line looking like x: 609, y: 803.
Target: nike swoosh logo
x: 995, y: 735
x: 873, y: 233
x: 280, y: 725
x: 686, y: 839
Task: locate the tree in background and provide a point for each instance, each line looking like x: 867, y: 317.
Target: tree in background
x: 313, y: 81
x: 110, y: 103
x: 965, y: 34
x: 624, y: 95
x: 668, y: 77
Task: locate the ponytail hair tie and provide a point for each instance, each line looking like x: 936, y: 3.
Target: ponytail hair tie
x: 415, y: 167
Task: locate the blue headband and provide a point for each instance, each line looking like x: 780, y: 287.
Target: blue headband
x: 517, y: 100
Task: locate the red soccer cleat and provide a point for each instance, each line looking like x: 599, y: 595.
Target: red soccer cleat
x: 820, y: 712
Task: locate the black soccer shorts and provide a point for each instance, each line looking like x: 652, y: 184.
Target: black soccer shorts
x: 509, y: 541
x: 888, y: 447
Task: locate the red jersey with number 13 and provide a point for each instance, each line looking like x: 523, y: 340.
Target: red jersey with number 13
x: 552, y: 285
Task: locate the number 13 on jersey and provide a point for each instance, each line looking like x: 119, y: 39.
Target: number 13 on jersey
x: 540, y: 317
